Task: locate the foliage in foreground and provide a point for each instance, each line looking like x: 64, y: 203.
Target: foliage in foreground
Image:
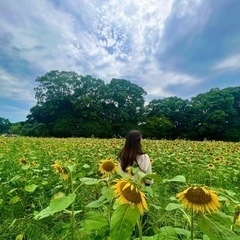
x: 52, y: 189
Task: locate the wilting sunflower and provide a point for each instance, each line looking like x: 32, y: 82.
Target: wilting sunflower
x: 199, y: 199
x: 107, y: 167
x: 128, y: 193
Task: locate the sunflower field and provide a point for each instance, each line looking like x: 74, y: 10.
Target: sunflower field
x: 58, y: 188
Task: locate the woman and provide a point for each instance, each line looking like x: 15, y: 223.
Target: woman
x: 132, y: 155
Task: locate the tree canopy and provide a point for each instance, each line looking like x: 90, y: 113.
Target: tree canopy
x: 71, y: 105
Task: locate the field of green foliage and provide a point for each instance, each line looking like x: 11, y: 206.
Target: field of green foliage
x: 52, y: 189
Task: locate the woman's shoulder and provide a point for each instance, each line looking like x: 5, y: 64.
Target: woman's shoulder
x: 143, y: 156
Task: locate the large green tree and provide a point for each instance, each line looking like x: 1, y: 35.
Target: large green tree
x: 172, y: 109
x: 88, y: 107
x: 211, y: 114
x: 71, y: 105
x: 123, y: 105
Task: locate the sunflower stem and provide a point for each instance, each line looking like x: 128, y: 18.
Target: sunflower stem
x: 72, y: 209
x: 192, y: 224
x: 187, y: 216
x: 140, y: 228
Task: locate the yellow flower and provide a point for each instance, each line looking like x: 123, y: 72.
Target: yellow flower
x: 63, y: 172
x: 57, y: 166
x: 128, y: 193
x: 199, y: 199
x: 107, y: 167
x: 64, y: 175
x: 129, y: 171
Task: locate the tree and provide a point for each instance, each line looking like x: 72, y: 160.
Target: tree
x: 232, y: 132
x: 210, y: 114
x: 34, y: 130
x: 174, y: 109
x: 5, y: 125
x: 157, y: 127
x: 123, y: 106
x: 88, y: 99
x: 56, y: 85
x: 16, y: 128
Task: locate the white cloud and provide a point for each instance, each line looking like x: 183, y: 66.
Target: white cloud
x: 108, y: 39
x: 157, y: 82
x: 231, y: 63
x: 188, y: 7
x: 14, y: 88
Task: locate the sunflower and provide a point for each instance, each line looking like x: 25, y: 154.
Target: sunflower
x: 23, y: 161
x: 107, y: 167
x: 62, y: 170
x: 218, y: 159
x: 128, y: 193
x: 211, y: 166
x: 57, y: 166
x: 199, y: 199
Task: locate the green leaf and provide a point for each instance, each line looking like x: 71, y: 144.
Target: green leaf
x: 19, y: 236
x: 86, y: 166
x: 30, y: 188
x: 178, y: 178
x: 15, y: 178
x: 94, y: 221
x: 205, y: 237
x: 89, y: 181
x: 230, y: 193
x: 165, y: 233
x: 71, y: 167
x: 123, y: 221
x: 155, y: 206
x: 70, y: 212
x: 25, y: 167
x: 173, y: 206
x: 98, y: 203
x: 43, y: 214
x: 14, y: 200
x: 153, y: 176
x: 107, y: 192
x: 61, y: 203
x: 57, y: 204
x: 217, y: 226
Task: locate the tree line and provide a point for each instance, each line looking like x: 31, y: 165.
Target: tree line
x: 71, y: 105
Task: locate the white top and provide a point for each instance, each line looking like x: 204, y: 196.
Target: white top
x: 144, y: 163
x: 145, y: 166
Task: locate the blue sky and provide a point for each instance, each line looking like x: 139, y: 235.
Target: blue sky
x: 170, y: 48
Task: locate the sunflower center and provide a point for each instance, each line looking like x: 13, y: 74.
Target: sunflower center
x: 131, y: 194
x: 198, y: 196
x: 108, y: 166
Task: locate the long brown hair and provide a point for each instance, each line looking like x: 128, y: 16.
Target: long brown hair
x: 132, y: 148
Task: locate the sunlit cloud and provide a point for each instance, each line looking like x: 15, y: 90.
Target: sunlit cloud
x: 231, y: 63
